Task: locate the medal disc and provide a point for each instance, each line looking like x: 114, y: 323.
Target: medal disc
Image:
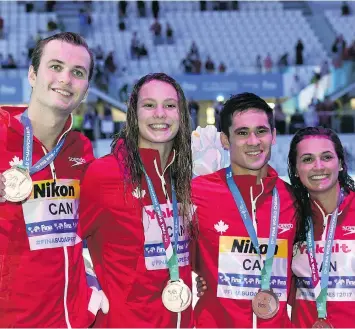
x: 265, y: 304
x: 322, y: 323
x: 18, y: 185
x: 176, y: 296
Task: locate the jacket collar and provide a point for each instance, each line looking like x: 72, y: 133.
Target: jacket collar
x: 12, y: 117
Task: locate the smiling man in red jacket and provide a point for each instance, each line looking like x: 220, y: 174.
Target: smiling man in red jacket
x: 246, y: 218
x: 42, y: 276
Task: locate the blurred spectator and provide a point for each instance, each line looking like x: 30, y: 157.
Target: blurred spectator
x: 121, y: 24
x: 296, y: 122
x: 169, y: 34
x: 351, y: 51
x: 155, y: 9
x: 258, y: 64
x: 29, y: 6
x: 218, y: 106
x: 30, y: 44
x: 88, y: 21
x: 50, y: 5
x: 280, y: 118
x: 268, y: 63
x: 283, y: 62
x: 156, y: 29
x: 311, y: 116
x: 324, y: 69
x: 209, y: 65
x: 338, y: 50
x: 345, y: 10
x: 101, y: 79
x: 316, y: 75
x: 326, y: 108
x: 99, y: 53
x: 222, y: 68
x: 299, y: 52
x: 220, y: 5
x: 1, y: 28
x: 194, y: 108
x: 107, y: 125
x: 122, y: 8
x: 196, y: 66
x: 297, y: 85
x: 51, y: 25
x: 134, y: 46
x: 235, y: 5
x: 141, y: 8
x: 123, y: 93
x: 109, y: 64
x: 9, y: 63
x: 89, y: 123
x: 142, y: 50
x: 186, y: 65
x: 194, y: 50
x: 203, y: 5
x: 1, y: 60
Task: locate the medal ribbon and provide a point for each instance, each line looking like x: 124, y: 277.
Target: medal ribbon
x: 170, y: 251
x: 28, y: 148
x: 320, y: 285
x: 248, y: 223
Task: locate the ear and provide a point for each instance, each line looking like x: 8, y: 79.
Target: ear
x: 273, y: 142
x: 340, y: 166
x: 224, y: 141
x: 31, y: 76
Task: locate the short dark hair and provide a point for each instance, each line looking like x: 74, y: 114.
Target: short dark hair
x: 243, y: 102
x: 69, y: 37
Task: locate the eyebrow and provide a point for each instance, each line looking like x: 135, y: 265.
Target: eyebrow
x: 311, y: 154
x: 61, y: 62
x: 153, y: 100
x: 248, y: 128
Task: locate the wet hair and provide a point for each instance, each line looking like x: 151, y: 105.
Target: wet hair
x: 299, y: 191
x: 181, y: 169
x: 240, y: 103
x: 68, y: 37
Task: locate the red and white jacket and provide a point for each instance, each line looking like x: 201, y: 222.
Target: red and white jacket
x: 224, y: 258
x: 125, y: 242
x: 42, y: 275
x: 341, y: 287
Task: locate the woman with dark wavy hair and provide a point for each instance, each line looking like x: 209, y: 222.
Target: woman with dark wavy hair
x: 324, y: 200
x: 136, y: 213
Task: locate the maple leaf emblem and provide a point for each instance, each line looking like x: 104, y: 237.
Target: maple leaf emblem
x: 15, y: 161
x: 137, y: 193
x: 221, y: 227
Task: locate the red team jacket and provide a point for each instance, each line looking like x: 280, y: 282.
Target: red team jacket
x: 341, y: 287
x: 125, y: 242
x: 42, y: 276
x: 224, y: 256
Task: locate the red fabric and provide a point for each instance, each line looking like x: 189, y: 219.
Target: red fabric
x: 112, y: 220
x: 32, y: 282
x: 215, y: 203
x: 341, y: 297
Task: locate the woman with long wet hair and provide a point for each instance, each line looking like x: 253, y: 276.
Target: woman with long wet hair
x: 324, y: 251
x: 136, y: 211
